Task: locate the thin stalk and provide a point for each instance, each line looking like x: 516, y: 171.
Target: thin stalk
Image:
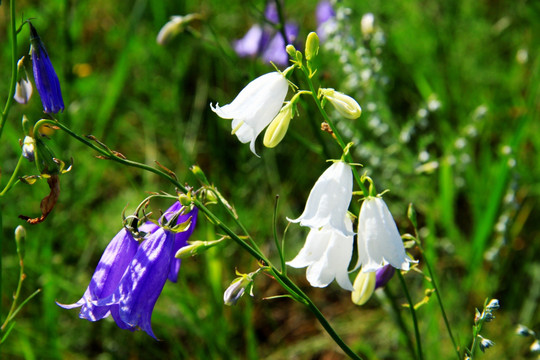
x: 320, y: 317
x: 413, y: 315
x: 16, y: 296
x: 276, y: 240
x: 1, y: 253
x: 13, y: 81
x: 399, y: 320
x: 335, y: 131
x: 437, y: 292
x: 12, y: 179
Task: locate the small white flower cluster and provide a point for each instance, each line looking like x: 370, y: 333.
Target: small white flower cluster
x: 329, y: 245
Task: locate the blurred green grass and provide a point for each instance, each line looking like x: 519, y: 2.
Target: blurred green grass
x: 151, y: 103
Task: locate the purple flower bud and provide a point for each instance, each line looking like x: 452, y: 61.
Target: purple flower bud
x: 252, y: 43
x: 324, y: 12
x: 383, y: 275
x: 271, y: 13
x: 45, y: 77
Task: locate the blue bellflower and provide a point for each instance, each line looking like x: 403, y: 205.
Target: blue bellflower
x: 45, y: 77
x: 130, y: 275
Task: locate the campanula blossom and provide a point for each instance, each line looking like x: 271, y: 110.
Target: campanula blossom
x: 344, y: 104
x: 379, y: 242
x: 255, y: 106
x: 130, y: 275
x: 47, y: 83
x: 263, y: 40
x: 326, y: 254
x: 328, y: 201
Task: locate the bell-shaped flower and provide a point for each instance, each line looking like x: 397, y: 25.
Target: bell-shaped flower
x: 174, y: 26
x: 130, y: 275
x: 255, y: 106
x: 327, y: 254
x: 180, y: 239
x: 252, y: 43
x: 326, y: 19
x: 47, y: 83
x: 111, y: 267
x: 329, y: 200
x: 29, y: 148
x: 379, y: 242
x: 344, y: 104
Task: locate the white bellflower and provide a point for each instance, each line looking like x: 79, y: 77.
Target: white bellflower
x: 329, y: 200
x: 255, y: 107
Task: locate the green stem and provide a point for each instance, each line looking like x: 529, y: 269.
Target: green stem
x: 16, y: 296
x: 12, y: 179
x: 276, y: 240
x: 399, y: 320
x: 13, y: 82
x: 290, y: 286
x: 437, y: 292
x: 335, y: 131
x: 320, y: 317
x: 1, y: 255
x: 413, y: 315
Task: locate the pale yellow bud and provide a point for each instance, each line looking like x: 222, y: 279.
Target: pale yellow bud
x: 364, y: 285
x: 312, y: 46
x: 344, y: 104
x: 278, y: 127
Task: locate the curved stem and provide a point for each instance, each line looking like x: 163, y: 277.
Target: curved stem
x: 13, y: 177
x: 413, y: 315
x: 13, y: 37
x: 335, y: 131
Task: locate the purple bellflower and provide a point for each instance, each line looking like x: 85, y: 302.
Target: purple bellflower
x: 130, y: 275
x: 265, y: 41
x: 45, y: 77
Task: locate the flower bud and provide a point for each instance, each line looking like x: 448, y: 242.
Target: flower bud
x: 237, y: 289
x: 291, y: 50
x: 344, y: 104
x: 20, y: 236
x: 196, y: 248
x: 174, y: 26
x: 23, y: 89
x: 485, y: 343
x: 28, y: 148
x: 493, y: 305
x: 278, y: 127
x: 312, y: 46
x: 364, y: 285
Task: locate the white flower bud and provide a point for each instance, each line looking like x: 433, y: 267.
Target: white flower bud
x: 344, y: 104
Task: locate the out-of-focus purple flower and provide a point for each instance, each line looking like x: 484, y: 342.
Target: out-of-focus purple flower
x: 130, y: 276
x: 275, y: 51
x: 383, y: 275
x: 326, y: 19
x: 252, y: 43
x: 265, y: 41
x: 45, y: 77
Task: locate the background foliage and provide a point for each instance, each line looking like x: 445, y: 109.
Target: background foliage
x: 470, y: 166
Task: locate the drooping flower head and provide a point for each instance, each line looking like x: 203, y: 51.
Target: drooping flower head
x: 45, y: 77
x: 326, y: 254
x: 328, y: 201
x: 255, y: 106
x: 379, y: 242
x: 130, y: 275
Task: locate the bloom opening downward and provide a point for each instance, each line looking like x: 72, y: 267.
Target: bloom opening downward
x: 328, y: 201
x: 130, y: 276
x: 45, y: 77
x: 326, y: 254
x: 255, y: 107
x: 379, y: 242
